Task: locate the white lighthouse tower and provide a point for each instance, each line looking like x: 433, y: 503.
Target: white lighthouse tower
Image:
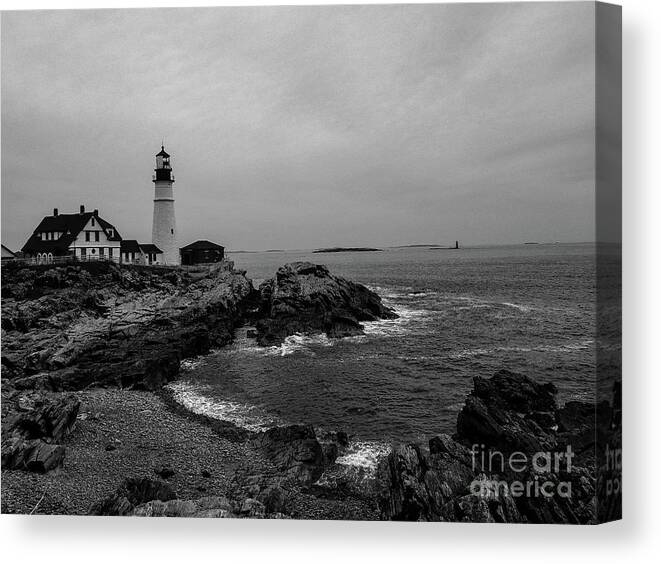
x: 164, y: 229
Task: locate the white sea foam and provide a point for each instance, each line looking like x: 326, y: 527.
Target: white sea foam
x: 190, y: 363
x: 242, y: 415
x: 364, y: 454
x: 389, y: 327
x: 300, y: 343
x: 522, y: 308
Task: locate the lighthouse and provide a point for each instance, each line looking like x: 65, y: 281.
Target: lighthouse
x: 164, y: 228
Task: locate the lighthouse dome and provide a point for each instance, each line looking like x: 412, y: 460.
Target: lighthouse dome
x: 162, y: 153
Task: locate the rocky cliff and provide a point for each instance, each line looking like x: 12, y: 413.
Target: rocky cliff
x: 101, y: 324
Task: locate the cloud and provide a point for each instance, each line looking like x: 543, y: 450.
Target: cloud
x: 296, y: 127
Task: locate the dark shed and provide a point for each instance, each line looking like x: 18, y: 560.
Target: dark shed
x: 202, y: 252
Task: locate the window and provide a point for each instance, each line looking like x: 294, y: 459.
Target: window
x: 93, y: 251
x: 83, y: 251
x: 96, y: 236
x: 101, y: 253
x: 93, y: 222
x: 110, y: 233
x: 87, y: 235
x: 110, y: 252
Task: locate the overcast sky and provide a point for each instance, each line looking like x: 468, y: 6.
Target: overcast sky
x: 300, y: 127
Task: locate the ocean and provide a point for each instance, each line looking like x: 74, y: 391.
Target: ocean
x: 463, y: 313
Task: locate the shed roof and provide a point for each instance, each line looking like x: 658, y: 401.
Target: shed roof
x: 202, y: 244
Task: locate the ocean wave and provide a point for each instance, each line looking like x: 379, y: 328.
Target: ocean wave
x: 300, y: 342
x: 364, y: 454
x: 522, y: 308
x: 391, y: 327
x: 242, y: 415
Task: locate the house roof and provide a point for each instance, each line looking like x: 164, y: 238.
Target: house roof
x: 129, y: 246
x: 70, y: 224
x: 202, y: 245
x: 162, y: 153
x: 149, y: 248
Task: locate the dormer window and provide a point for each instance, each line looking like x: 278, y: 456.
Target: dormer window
x: 111, y: 233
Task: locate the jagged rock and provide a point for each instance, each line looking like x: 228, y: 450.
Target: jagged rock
x: 417, y: 487
x: 217, y: 507
x: 164, y: 472
x: 295, y: 450
x: 252, y: 508
x: 213, y: 506
x: 41, y: 417
x: 275, y: 499
x: 506, y: 415
x: 132, y: 493
x: 32, y: 455
x: 306, y: 298
x: 32, y: 427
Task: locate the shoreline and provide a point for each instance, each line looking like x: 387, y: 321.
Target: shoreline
x: 126, y: 425
x: 123, y: 434
x: 129, y: 447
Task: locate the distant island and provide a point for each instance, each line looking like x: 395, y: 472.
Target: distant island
x: 347, y: 250
x: 430, y: 245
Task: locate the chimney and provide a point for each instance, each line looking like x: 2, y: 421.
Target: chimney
x: 96, y: 213
x: 55, y: 213
x: 82, y: 209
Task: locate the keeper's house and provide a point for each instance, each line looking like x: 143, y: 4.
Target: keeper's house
x: 85, y: 236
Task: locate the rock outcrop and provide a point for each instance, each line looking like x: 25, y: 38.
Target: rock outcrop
x: 512, y: 460
x: 102, y: 324
x: 33, y: 429
x: 132, y: 493
x: 144, y: 497
x: 296, y: 452
x: 306, y: 298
